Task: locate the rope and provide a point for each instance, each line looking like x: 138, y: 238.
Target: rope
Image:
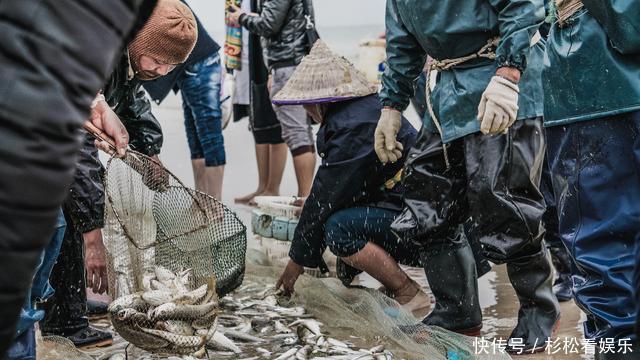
x: 566, y: 9
x: 487, y: 52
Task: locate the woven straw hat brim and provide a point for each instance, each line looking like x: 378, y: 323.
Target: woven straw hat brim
x: 322, y: 77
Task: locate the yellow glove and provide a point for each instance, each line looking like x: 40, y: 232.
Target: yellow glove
x: 386, y: 146
x: 499, y: 106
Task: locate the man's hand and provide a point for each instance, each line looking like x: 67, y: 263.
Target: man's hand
x: 95, y: 261
x: 498, y: 107
x: 103, y: 117
x: 289, y: 277
x: 386, y: 146
x: 234, y: 15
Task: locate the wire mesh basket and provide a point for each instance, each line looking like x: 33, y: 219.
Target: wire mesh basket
x: 171, y: 252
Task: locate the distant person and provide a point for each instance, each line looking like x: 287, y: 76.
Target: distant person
x: 198, y: 79
x: 46, y: 92
x: 283, y: 28
x: 270, y: 148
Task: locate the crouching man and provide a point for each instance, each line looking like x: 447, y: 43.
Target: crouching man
x: 354, y: 198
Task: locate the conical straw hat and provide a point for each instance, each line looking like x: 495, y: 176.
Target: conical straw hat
x: 322, y: 77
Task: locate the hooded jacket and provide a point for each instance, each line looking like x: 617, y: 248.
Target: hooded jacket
x: 350, y: 174
x: 282, y: 28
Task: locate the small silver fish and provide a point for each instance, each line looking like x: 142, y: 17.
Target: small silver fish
x: 157, y: 297
x: 182, y: 341
x: 280, y: 327
x: 303, y: 353
x: 312, y: 325
x: 164, y: 275
x: 289, y: 353
x: 219, y: 341
x: 133, y: 301
x: 179, y: 327
x: 191, y: 297
x: 241, y: 336
x: 182, y: 311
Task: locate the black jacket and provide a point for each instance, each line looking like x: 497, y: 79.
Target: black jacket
x: 85, y: 202
x: 350, y: 173
x: 205, y: 47
x: 131, y: 104
x: 282, y: 27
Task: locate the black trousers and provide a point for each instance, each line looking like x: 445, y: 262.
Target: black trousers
x: 55, y: 56
x: 66, y: 310
x: 492, y: 185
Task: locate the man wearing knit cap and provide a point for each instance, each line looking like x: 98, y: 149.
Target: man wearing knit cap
x: 163, y: 42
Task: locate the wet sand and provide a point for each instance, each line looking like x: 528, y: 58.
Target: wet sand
x: 497, y: 298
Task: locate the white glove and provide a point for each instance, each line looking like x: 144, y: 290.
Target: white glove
x: 386, y: 146
x: 499, y: 106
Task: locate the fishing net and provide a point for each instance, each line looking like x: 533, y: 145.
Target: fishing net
x: 56, y: 348
x: 366, y: 317
x: 171, y: 251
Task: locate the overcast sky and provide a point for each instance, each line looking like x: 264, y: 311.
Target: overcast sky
x: 328, y: 13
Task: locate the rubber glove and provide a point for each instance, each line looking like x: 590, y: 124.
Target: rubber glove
x: 385, y: 145
x: 498, y: 106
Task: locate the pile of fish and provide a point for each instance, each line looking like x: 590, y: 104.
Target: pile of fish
x: 168, y: 318
x: 252, y: 323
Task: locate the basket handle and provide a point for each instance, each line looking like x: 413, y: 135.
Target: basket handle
x: 99, y: 134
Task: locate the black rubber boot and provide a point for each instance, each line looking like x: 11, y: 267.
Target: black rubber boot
x: 451, y: 272
x: 88, y: 338
x: 539, y: 314
x: 96, y: 309
x: 562, y: 263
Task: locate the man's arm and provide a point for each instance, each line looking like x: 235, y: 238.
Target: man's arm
x: 85, y: 206
x: 518, y: 22
x: 270, y: 21
x: 405, y: 61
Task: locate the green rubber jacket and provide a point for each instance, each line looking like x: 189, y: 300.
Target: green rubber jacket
x: 592, y: 66
x: 446, y: 29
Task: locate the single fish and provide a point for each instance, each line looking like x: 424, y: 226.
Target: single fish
x: 133, y: 301
x: 136, y: 336
x: 280, y: 327
x: 288, y: 354
x: 271, y: 300
x: 310, y: 324
x: 377, y: 349
x: 164, y: 275
x: 132, y: 315
x: 191, y: 297
x: 179, y: 327
x: 241, y: 336
x: 182, y: 311
x: 321, y: 341
x: 219, y: 341
x: 206, y: 321
x: 290, y: 341
x: 303, y: 353
x: 181, y: 341
x: 337, y: 343
x: 157, y: 285
x: 264, y: 352
x: 157, y: 297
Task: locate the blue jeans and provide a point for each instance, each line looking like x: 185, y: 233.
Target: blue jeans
x: 348, y: 231
x: 199, y: 86
x: 596, y: 180
x: 24, y: 346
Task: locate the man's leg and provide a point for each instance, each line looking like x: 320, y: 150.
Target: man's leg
x: 297, y: 134
x: 560, y: 256
x: 66, y: 310
x: 435, y: 209
x: 45, y: 93
x: 506, y: 206
x: 200, y: 89
x: 598, y: 192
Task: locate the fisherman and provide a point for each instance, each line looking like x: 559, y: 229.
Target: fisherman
x: 473, y: 161
x: 353, y: 198
x: 592, y: 118
x: 163, y: 42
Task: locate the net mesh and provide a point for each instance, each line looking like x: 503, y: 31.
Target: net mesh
x: 171, y: 251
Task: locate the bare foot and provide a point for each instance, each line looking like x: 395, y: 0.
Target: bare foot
x: 263, y: 193
x: 247, y: 198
